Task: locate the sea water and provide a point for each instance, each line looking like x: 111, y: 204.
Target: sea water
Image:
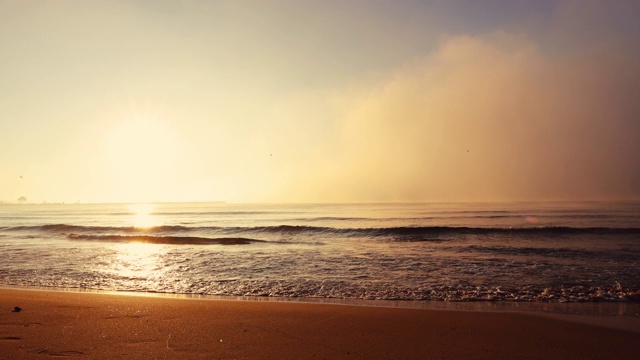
x: 516, y: 252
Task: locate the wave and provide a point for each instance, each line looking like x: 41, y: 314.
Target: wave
x: 542, y: 230
x: 442, y: 230
x: 547, y: 252
x: 215, y: 213
x: 168, y: 240
x: 337, y: 218
x: 407, y: 231
x: 64, y: 228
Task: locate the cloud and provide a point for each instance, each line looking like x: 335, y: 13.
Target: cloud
x: 499, y: 116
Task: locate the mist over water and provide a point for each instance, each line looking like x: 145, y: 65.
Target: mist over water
x: 538, y: 113
x: 464, y: 252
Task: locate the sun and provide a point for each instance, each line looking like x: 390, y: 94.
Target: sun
x: 142, y: 156
x: 141, y: 143
x: 142, y: 216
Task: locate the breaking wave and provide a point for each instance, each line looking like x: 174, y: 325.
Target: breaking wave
x: 173, y: 240
x: 317, y: 230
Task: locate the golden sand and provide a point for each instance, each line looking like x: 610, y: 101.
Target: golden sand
x: 104, y: 326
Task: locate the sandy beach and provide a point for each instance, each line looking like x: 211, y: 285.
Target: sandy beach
x: 105, y: 326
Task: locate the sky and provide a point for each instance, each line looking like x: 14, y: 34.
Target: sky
x: 319, y: 101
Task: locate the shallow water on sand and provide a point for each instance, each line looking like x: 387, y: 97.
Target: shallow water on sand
x: 524, y: 252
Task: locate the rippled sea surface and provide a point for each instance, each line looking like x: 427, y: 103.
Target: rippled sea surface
x: 554, y: 252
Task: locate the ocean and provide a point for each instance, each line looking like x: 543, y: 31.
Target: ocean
x: 501, y: 252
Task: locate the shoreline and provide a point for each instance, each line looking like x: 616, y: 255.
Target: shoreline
x: 97, y: 326
x: 604, y: 308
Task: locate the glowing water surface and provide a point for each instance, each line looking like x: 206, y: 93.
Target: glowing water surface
x: 418, y: 252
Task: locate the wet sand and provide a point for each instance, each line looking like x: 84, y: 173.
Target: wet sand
x: 104, y: 326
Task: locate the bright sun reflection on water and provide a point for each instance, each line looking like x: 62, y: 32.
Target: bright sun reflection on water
x: 137, y: 260
x: 142, y: 215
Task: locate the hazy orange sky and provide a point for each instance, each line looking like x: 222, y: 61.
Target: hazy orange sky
x: 242, y: 101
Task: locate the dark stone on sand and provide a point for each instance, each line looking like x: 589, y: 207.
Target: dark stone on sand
x: 17, y: 309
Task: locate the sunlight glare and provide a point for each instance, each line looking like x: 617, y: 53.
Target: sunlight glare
x: 143, y: 150
x: 137, y: 259
x: 142, y: 215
